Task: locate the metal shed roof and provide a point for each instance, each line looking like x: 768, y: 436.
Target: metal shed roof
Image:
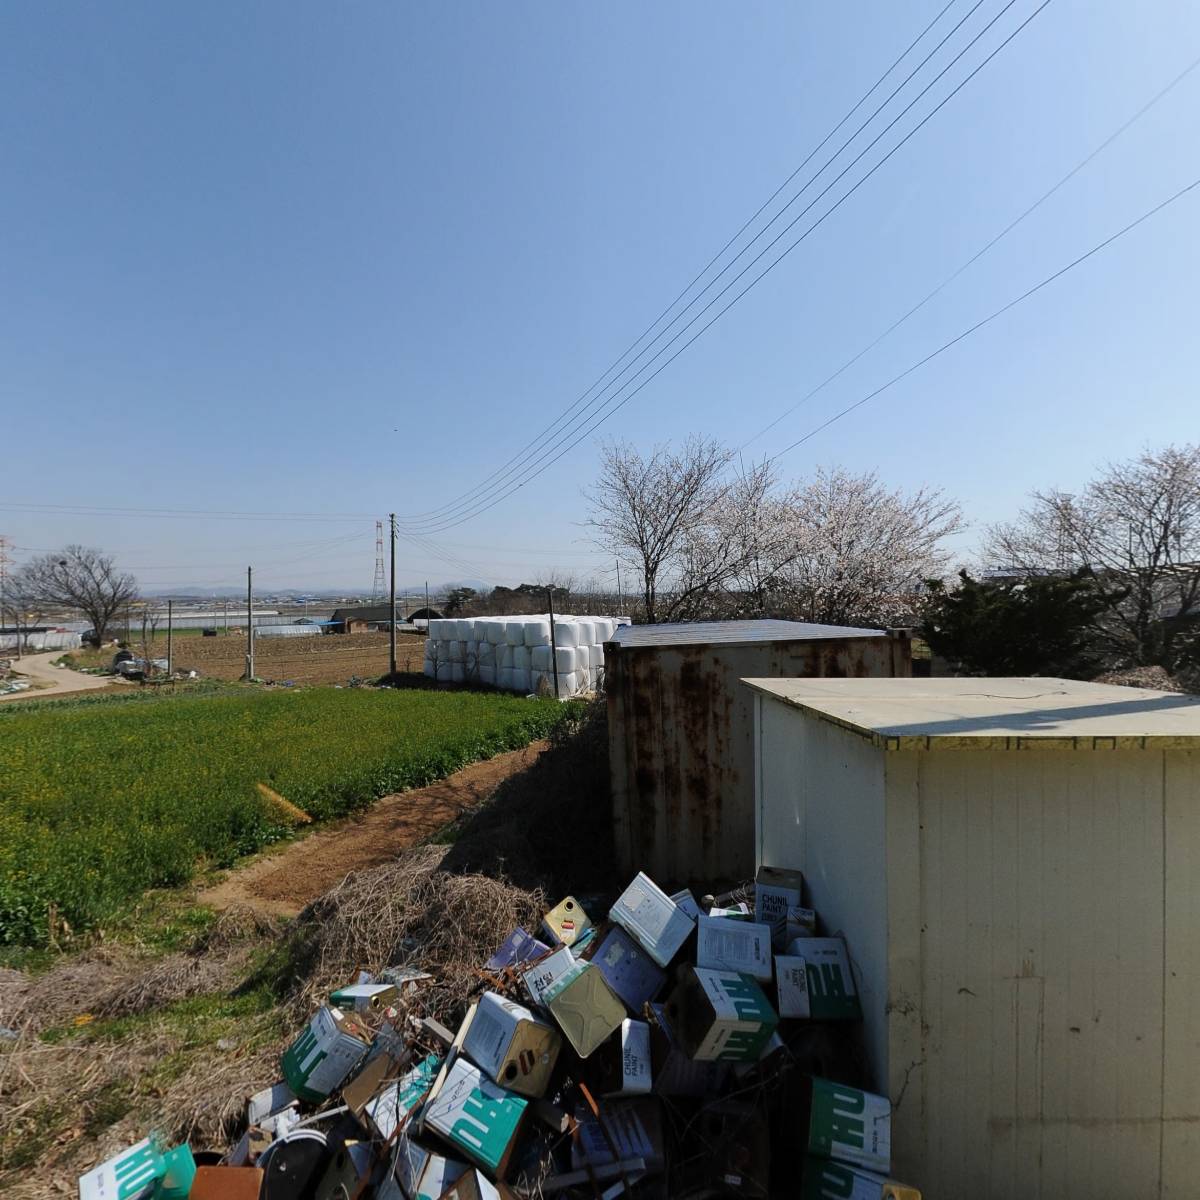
x: 996, y: 714
x: 734, y: 633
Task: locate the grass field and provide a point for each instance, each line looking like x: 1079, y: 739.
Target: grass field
x: 103, y: 798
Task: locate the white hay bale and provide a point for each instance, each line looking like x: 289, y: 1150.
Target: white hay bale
x: 539, y: 658
x: 564, y: 657
x: 504, y: 656
x: 521, y: 658
x: 583, y: 658
x: 566, y: 633
x: 487, y: 674
x: 537, y: 632
x: 454, y: 652
x: 522, y: 681
x: 495, y: 632
x: 514, y: 633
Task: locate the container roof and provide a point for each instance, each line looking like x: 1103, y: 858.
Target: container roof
x: 996, y: 714
x: 734, y: 633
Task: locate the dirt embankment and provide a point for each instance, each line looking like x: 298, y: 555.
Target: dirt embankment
x: 282, y: 884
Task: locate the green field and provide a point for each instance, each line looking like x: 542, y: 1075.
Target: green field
x: 102, y: 799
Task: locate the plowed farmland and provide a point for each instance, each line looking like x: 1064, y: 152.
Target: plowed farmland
x: 331, y: 658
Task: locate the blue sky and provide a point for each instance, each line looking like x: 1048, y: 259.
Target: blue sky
x: 339, y: 260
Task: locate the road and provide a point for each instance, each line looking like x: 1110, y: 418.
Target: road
x: 37, y: 667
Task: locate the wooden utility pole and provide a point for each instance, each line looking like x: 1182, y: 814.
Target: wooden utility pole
x: 553, y: 642
x: 249, y: 623
x: 170, y: 638
x: 392, y: 622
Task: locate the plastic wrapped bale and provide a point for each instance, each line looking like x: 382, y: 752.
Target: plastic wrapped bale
x: 537, y: 633
x: 583, y: 659
x: 514, y: 633
x: 504, y: 656
x: 566, y: 633
x: 454, y: 652
x: 564, y: 657
x: 522, y: 680
x: 487, y: 674
x: 522, y: 659
x: 540, y: 659
x: 495, y: 632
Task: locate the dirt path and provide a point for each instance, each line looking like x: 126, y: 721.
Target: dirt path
x: 60, y: 680
x: 281, y: 884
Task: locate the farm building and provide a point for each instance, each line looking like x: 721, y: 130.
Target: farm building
x: 1013, y: 862
x: 681, y: 731
x: 363, y: 618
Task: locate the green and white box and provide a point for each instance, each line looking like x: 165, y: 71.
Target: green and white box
x: 541, y: 975
x: 364, y: 997
x: 776, y: 890
x: 832, y: 992
x: 825, y: 1179
x: 394, y: 1103
x: 655, y: 921
x: 850, y: 1125
x: 477, y: 1117
x: 319, y: 1060
x: 720, y: 1016
x: 131, y: 1175
x: 742, y: 946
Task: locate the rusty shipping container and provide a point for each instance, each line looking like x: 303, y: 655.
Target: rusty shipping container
x: 681, y: 732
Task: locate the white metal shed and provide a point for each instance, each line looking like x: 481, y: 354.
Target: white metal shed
x: 1016, y: 866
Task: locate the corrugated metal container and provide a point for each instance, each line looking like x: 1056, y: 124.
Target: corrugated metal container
x: 681, y: 733
x: 1015, y: 864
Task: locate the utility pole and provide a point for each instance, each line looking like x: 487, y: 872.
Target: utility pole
x: 3, y: 574
x: 249, y: 623
x: 170, y: 638
x: 553, y: 640
x: 226, y: 616
x: 392, y: 622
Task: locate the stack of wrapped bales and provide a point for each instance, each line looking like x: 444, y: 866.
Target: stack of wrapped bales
x: 519, y: 653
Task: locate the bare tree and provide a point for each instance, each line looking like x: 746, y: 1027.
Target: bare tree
x: 80, y: 579
x: 1137, y: 527
x: 858, y: 552
x: 657, y: 512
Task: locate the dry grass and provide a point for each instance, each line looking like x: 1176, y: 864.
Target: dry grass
x: 407, y: 913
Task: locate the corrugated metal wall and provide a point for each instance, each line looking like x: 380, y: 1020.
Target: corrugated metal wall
x: 681, y: 733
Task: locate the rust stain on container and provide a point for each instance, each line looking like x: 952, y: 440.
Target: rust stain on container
x: 681, y: 733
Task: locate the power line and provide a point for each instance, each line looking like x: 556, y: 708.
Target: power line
x: 483, y: 507
x: 1108, y: 241
x: 508, y: 469
x: 1137, y: 116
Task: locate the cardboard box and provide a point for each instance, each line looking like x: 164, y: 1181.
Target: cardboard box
x: 226, y: 1183
x: 566, y: 921
x: 791, y: 986
x: 850, y: 1125
x: 131, y: 1175
x: 541, y: 975
x: 656, y: 922
x: 587, y: 1010
x: 366, y: 1083
x: 518, y: 947
x: 635, y: 1127
x: 385, y: 1111
x: 318, y: 1061
x: 742, y: 946
x: 832, y: 992
x: 673, y: 1071
x: 800, y: 923
x: 621, y: 1067
x: 720, y: 1015
x: 477, y: 1117
x: 740, y: 911
x: 629, y: 970
x: 268, y: 1102
x: 512, y: 1046
x: 686, y: 902
x: 363, y: 997
x: 424, y: 1175
x: 825, y: 1179
x: 776, y: 890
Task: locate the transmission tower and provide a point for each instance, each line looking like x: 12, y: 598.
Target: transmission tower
x: 378, y: 586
